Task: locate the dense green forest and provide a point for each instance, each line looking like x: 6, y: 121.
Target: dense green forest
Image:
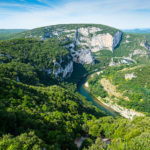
x: 52, y: 117
x: 29, y: 59
x: 41, y: 112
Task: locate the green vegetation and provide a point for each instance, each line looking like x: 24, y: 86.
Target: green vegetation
x: 123, y: 134
x: 50, y: 114
x: 129, y: 43
x: 137, y: 89
x: 39, y: 111
x: 96, y: 88
x: 22, y: 57
x: 39, y: 33
x: 6, y: 34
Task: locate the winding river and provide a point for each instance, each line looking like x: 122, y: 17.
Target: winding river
x: 83, y: 91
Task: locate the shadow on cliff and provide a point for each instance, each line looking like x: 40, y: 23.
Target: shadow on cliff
x: 78, y: 72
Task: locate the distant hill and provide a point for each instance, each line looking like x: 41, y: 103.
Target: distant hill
x: 8, y: 33
x: 136, y: 30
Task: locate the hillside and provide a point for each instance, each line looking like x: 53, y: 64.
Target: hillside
x: 6, y: 34
x: 139, y: 31
x: 95, y: 44
x: 24, y: 56
x: 39, y: 103
x: 51, y: 116
x: 127, y: 87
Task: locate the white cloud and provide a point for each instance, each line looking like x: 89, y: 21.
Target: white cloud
x: 117, y: 13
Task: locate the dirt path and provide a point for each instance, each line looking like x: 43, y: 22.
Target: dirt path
x: 132, y: 68
x: 111, y: 89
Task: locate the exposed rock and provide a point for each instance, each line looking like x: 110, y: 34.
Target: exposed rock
x: 113, y: 63
x: 86, y: 84
x: 59, y: 71
x: 66, y: 71
x: 127, y: 113
x: 127, y: 36
x: 101, y: 41
x: 116, y: 39
x: 142, y: 44
x: 121, y: 60
x: 138, y: 52
x: 97, y: 41
x: 82, y: 56
x: 18, y: 80
x: 147, y: 45
x: 85, y: 40
x: 78, y: 141
x: 130, y: 76
x: 127, y: 41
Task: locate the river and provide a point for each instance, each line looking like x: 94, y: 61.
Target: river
x: 83, y: 91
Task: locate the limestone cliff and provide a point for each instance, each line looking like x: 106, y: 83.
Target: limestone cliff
x: 90, y: 37
x: 147, y: 45
x: 86, y: 40
x: 83, y: 41
x: 59, y: 70
x: 82, y: 56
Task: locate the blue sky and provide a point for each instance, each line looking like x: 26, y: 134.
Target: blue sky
x: 123, y: 14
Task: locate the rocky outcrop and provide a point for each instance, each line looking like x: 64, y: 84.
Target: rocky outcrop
x: 92, y: 38
x: 82, y: 55
x: 127, y: 113
x: 116, y: 39
x: 60, y: 71
x: 147, y: 45
x: 63, y: 72
x: 139, y: 52
x: 121, y: 60
x: 86, y: 40
x: 67, y: 71
x: 129, y: 76
x: 101, y: 41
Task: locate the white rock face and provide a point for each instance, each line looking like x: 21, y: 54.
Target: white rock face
x: 116, y: 40
x: 113, y: 63
x: 130, y: 76
x: 66, y: 71
x: 90, y: 37
x: 87, y: 31
x: 138, y: 52
x: 87, y: 43
x: 97, y: 41
x: 82, y: 56
x: 121, y: 60
x: 85, y: 40
x: 59, y: 71
x: 101, y: 41
x: 147, y: 45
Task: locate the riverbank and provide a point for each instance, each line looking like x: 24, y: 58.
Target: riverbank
x: 94, y: 100
x: 127, y: 113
